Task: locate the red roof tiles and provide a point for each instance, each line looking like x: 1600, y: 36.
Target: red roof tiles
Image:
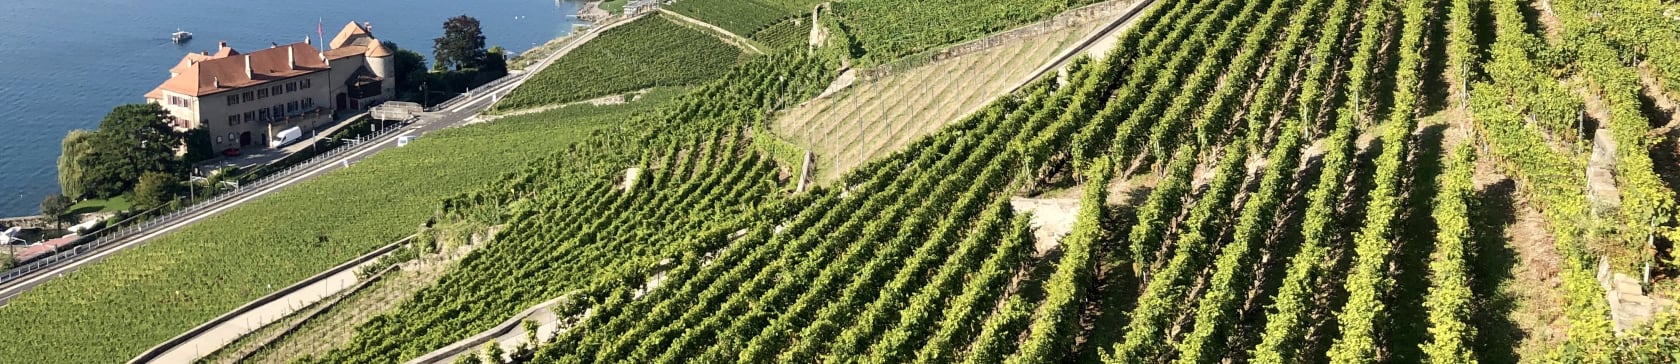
x: 222, y: 73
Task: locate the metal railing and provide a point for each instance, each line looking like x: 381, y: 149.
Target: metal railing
x: 464, y: 96
x: 124, y: 230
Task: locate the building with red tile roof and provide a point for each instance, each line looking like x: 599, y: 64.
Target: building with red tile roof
x: 243, y: 98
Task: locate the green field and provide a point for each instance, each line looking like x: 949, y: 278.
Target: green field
x: 786, y: 33
x: 113, y: 204
x: 742, y: 17
x: 650, y: 52
x: 614, y: 6
x: 145, y: 295
x: 888, y: 29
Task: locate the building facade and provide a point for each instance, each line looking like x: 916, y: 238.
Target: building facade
x: 243, y: 99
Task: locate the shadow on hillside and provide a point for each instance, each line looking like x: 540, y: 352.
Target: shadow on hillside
x: 1409, y: 325
x: 1283, y: 241
x: 1332, y: 293
x: 1491, y: 214
x: 1113, y: 294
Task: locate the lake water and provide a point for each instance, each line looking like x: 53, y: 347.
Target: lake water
x: 65, y: 63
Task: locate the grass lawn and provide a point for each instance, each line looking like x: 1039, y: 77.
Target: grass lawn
x: 113, y: 204
x: 139, y: 297
x: 614, y: 6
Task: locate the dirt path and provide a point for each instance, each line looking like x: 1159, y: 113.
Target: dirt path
x: 1517, y: 273
x: 279, y: 308
x: 732, y: 38
x: 618, y: 99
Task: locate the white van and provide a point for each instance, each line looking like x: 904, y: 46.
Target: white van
x: 285, y: 137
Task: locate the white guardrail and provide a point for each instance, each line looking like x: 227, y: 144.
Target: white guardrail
x: 458, y: 99
x: 108, y: 236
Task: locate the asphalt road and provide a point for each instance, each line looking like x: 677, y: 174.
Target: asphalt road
x: 457, y: 114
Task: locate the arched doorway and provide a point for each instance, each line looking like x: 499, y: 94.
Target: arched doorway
x: 244, y: 139
x: 343, y: 101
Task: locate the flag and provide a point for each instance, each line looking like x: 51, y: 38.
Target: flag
x: 320, y: 33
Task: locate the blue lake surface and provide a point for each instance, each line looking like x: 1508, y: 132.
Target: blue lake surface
x: 65, y: 63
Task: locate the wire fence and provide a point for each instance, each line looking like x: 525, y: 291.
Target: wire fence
x: 151, y: 219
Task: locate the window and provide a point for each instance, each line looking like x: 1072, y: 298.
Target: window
x: 218, y: 140
x: 276, y: 90
x: 292, y: 107
x: 278, y: 110
x: 308, y: 103
x: 303, y: 83
x: 233, y: 99
x: 230, y: 137
x: 262, y: 94
x: 233, y: 120
x: 291, y: 87
x: 250, y: 116
x: 262, y: 115
x: 247, y: 96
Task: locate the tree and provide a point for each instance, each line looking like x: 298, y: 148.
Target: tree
x: 198, y: 146
x: 74, y: 163
x: 154, y: 189
x: 462, y: 45
x: 133, y: 139
x: 55, y: 207
x: 410, y: 67
x: 495, y: 66
x: 495, y: 62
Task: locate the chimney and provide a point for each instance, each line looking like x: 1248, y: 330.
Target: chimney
x: 223, y: 44
x: 291, y: 58
x: 216, y: 82
x: 248, y: 73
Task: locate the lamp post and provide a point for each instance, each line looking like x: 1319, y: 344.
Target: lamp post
x: 425, y: 96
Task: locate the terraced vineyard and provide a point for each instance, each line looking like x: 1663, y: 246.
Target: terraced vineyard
x: 883, y: 30
x: 875, y: 117
x: 649, y: 52
x: 789, y: 32
x: 1298, y: 175
x: 1327, y: 188
x: 743, y: 17
x: 184, y: 278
